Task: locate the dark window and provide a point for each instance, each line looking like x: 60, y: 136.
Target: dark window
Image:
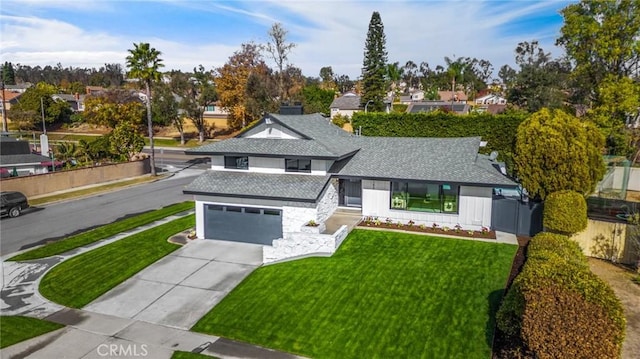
x: 214, y: 207
x: 236, y: 162
x: 424, y: 197
x: 292, y: 165
x: 271, y: 212
x: 234, y: 209
x: 252, y: 210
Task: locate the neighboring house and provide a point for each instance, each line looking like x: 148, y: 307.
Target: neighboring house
x: 9, y: 99
x: 491, y: 99
x: 76, y: 101
x: 215, y: 111
x: 449, y: 96
x: 16, y: 158
x: 265, y: 184
x: 95, y: 90
x: 496, y: 109
x: 461, y: 108
x: 345, y: 105
x: 413, y: 96
x: 20, y: 88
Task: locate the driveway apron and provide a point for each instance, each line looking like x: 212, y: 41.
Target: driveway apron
x: 182, y: 287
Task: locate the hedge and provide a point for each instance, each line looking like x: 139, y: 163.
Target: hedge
x: 565, y: 212
x: 558, y: 307
x: 498, y: 130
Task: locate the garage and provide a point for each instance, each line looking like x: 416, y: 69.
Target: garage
x: 242, y: 224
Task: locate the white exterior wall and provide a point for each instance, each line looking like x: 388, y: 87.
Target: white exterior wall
x: 217, y: 163
x: 474, y: 211
x: 266, y: 165
x: 200, y: 218
x: 299, y: 244
x: 271, y: 165
x: 275, y: 131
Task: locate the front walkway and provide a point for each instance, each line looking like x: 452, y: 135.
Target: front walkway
x: 211, y: 267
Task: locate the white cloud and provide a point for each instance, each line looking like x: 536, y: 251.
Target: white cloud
x: 327, y: 33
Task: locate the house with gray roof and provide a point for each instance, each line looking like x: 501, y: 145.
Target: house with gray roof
x: 16, y: 158
x: 268, y: 182
x: 345, y: 105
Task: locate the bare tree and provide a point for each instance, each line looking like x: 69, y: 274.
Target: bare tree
x: 279, y: 50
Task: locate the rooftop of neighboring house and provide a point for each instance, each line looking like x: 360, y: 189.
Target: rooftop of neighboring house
x: 452, y: 96
x: 348, y: 101
x: 9, y: 96
x: 428, y: 106
x: 69, y: 97
x: 21, y: 87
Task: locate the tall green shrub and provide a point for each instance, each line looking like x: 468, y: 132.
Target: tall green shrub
x: 558, y: 307
x: 565, y: 212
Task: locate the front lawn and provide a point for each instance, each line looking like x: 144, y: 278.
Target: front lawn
x: 382, y: 295
x: 80, y: 280
x: 14, y: 329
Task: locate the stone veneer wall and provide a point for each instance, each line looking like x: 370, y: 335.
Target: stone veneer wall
x: 293, y: 218
x: 299, y: 244
x: 329, y: 201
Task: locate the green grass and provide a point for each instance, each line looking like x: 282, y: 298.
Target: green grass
x: 381, y: 295
x: 14, y: 329
x: 173, y: 142
x: 188, y: 355
x: 79, y: 280
x: 103, y: 232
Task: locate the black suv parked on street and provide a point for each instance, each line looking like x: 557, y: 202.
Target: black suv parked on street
x: 12, y: 203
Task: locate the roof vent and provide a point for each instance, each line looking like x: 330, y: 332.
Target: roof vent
x: 493, y: 155
x: 268, y: 121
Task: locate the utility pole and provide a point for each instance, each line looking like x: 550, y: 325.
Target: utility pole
x: 44, y: 127
x: 5, y: 128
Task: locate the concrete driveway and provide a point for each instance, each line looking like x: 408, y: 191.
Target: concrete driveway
x: 182, y: 287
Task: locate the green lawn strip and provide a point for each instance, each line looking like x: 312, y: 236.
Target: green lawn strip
x: 382, y: 295
x: 189, y: 355
x: 173, y: 142
x: 14, y: 329
x: 79, y: 280
x: 103, y: 232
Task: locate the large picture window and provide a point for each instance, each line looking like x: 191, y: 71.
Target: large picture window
x: 297, y: 165
x: 236, y: 162
x: 424, y: 197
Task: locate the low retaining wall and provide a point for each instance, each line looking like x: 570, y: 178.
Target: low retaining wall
x: 46, y: 183
x: 298, y: 244
x: 609, y: 240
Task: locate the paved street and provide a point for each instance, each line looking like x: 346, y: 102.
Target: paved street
x: 50, y: 222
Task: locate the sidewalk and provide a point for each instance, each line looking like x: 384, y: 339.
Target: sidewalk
x: 92, y: 335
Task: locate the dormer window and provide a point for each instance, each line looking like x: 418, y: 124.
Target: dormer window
x: 236, y: 162
x: 297, y: 165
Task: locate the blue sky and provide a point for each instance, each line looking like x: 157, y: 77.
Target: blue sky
x: 90, y: 33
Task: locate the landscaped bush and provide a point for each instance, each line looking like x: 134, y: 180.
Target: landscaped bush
x: 558, y: 323
x: 565, y: 212
x: 340, y: 120
x: 558, y: 308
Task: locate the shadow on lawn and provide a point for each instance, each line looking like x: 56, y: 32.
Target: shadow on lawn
x: 493, y: 300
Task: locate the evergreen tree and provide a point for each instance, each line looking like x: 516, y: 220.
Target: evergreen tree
x: 8, y: 75
x: 374, y: 65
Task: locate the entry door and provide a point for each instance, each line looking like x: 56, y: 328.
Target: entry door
x: 353, y: 193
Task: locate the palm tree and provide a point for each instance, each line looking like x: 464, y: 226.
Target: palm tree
x: 394, y: 74
x: 143, y: 64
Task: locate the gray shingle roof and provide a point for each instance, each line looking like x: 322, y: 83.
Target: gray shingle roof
x: 432, y: 159
x: 7, y: 160
x: 346, y: 102
x: 287, y: 186
x: 262, y: 146
x: 322, y: 139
